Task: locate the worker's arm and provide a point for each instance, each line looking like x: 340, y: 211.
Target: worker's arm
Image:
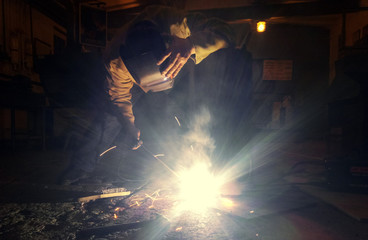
x: 193, y: 35
x: 209, y: 35
x: 120, y: 83
x: 179, y: 52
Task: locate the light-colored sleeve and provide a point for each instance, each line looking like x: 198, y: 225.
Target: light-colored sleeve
x: 208, y: 35
x: 120, y: 83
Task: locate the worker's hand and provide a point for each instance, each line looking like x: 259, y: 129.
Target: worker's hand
x: 179, y: 52
x: 135, y: 135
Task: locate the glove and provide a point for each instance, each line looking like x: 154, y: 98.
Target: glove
x: 178, y: 54
x: 134, y: 135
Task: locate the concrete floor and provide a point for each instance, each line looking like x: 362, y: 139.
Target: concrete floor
x: 273, y: 202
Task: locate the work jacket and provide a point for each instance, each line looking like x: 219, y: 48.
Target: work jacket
x: 207, y: 36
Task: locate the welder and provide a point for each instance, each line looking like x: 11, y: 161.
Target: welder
x: 149, y: 52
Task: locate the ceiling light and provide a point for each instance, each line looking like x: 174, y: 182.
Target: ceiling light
x: 261, y: 26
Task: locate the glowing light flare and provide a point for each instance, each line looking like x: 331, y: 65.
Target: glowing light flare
x: 199, y: 189
x: 178, y: 229
x: 261, y: 26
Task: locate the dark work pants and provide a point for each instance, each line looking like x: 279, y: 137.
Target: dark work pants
x: 100, y: 137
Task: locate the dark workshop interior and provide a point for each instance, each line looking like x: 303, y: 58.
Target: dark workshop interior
x: 266, y: 139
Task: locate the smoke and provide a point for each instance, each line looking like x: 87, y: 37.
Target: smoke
x: 197, y: 144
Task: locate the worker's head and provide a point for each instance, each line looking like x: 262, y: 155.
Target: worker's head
x: 145, y: 37
x: 143, y: 47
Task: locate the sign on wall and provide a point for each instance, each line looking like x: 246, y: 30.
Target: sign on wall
x: 279, y: 70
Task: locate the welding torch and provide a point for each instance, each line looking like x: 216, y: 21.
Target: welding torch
x: 140, y: 145
x: 160, y: 161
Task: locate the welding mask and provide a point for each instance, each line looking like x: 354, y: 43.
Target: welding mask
x: 144, y: 46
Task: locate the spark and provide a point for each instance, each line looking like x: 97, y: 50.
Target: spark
x: 153, y: 197
x: 115, y: 216
x: 119, y: 209
x: 178, y: 229
x: 139, y: 201
x: 159, y: 155
x: 136, y: 203
x: 177, y: 120
x: 107, y: 150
